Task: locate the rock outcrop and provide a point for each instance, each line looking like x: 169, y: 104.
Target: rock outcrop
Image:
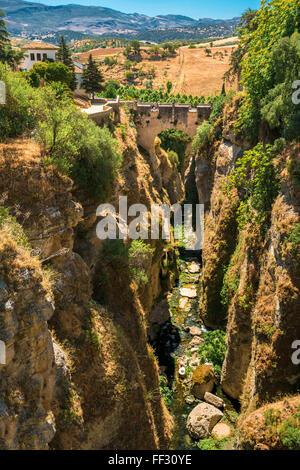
x: 94, y: 386
x: 203, y: 380
x: 27, y: 377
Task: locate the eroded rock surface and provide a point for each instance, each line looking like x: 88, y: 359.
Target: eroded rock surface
x: 202, y: 420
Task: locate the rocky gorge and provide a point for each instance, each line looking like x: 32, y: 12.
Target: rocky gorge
x: 147, y: 368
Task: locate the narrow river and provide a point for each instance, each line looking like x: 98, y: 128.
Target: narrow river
x: 177, y: 345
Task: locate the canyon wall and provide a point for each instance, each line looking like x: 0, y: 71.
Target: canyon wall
x: 91, y: 379
x: 250, y: 282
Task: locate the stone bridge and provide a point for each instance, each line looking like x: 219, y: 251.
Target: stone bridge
x: 150, y: 122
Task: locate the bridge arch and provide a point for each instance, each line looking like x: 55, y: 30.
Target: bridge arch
x: 152, y: 121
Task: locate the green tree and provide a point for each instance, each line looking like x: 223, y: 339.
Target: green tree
x: 135, y: 45
x: 127, y: 51
x: 4, y: 37
x: 274, y: 20
x: 247, y: 24
x: 169, y: 86
x: 15, y: 116
x: 7, y: 53
x: 76, y: 145
x: 58, y: 73
x: 276, y: 108
x: 50, y: 72
x: 255, y: 178
x: 92, y: 78
x: 12, y: 57
x: 65, y: 57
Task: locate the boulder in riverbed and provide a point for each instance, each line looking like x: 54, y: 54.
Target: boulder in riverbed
x: 202, y: 420
x: 194, y: 268
x: 221, y: 430
x: 189, y: 292
x: 196, y: 341
x: 195, y: 331
x: 213, y: 400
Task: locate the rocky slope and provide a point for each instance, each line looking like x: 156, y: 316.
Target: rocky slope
x: 27, y: 378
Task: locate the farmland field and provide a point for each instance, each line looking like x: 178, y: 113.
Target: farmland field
x: 191, y: 70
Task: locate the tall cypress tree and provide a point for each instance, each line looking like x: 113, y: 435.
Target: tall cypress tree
x: 64, y: 53
x: 65, y: 57
x: 4, y: 37
x: 92, y: 78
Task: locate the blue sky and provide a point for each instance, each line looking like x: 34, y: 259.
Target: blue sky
x: 193, y: 8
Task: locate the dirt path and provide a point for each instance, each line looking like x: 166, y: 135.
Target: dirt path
x: 179, y: 82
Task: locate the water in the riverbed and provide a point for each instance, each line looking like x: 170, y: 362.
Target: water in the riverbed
x: 174, y: 348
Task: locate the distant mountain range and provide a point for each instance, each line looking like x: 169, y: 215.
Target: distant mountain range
x: 29, y: 18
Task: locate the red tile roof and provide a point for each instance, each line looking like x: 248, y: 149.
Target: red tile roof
x: 38, y: 45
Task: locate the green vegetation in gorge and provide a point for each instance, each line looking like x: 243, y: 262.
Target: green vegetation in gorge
x: 209, y: 130
x: 133, y: 259
x: 174, y: 140
x: 9, y: 224
x: 255, y: 178
x: 165, y: 391
x: 287, y: 431
x: 293, y: 240
x: 140, y: 255
x: 204, y: 136
x: 212, y: 444
x: 213, y: 350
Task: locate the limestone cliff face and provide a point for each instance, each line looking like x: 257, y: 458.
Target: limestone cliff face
x: 219, y: 236
x: 92, y: 367
x: 260, y: 302
x: 27, y: 378
x: 275, y: 314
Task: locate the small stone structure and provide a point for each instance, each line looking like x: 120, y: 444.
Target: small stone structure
x: 99, y: 113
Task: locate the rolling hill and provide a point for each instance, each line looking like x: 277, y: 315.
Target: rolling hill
x: 30, y: 18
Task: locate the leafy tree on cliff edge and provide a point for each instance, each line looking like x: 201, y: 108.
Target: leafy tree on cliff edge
x: 92, y: 78
x: 274, y: 21
x: 7, y: 53
x: 64, y: 56
x: 247, y: 23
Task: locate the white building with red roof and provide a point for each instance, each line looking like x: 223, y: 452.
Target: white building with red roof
x: 38, y: 51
